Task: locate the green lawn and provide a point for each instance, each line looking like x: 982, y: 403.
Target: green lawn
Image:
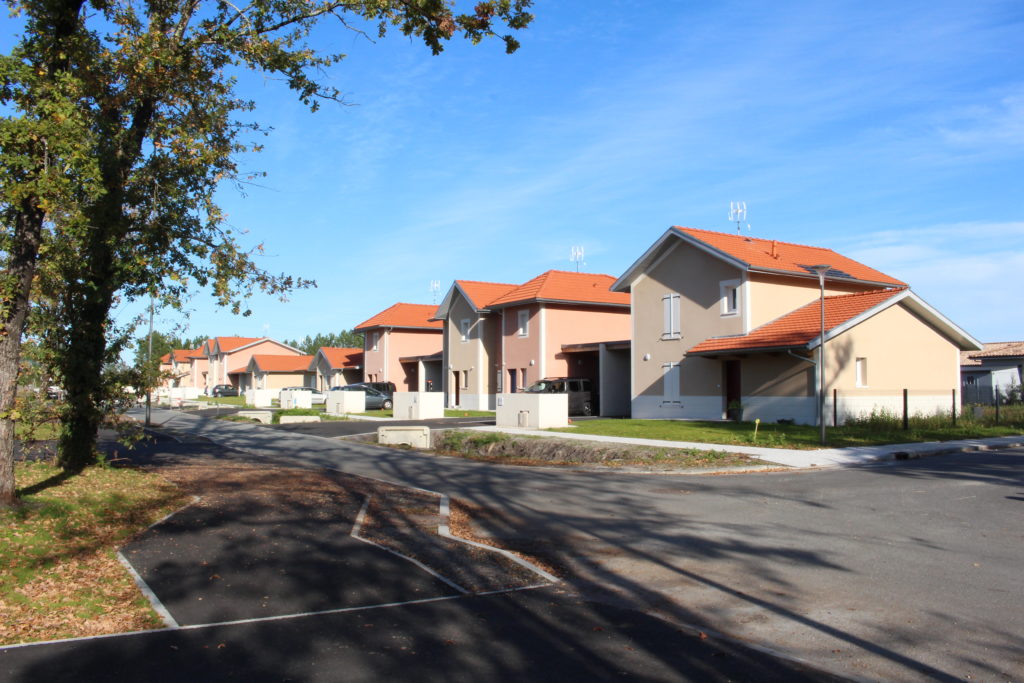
x: 223, y: 400
x: 789, y: 436
x: 469, y: 413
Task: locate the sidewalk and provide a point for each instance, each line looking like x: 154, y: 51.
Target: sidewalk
x: 790, y: 457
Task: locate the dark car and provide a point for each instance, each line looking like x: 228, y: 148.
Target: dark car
x: 375, y: 400
x: 224, y: 390
x: 581, y: 399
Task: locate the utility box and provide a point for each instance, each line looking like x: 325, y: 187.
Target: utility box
x: 533, y: 411
x: 260, y: 398
x: 418, y: 405
x: 415, y: 436
x: 291, y: 398
x: 345, y: 402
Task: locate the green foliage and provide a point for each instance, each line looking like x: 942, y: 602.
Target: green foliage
x: 344, y: 339
x: 123, y: 121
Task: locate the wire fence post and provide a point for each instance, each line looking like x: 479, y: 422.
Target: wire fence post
x: 906, y: 413
x: 835, y: 407
x: 954, y: 407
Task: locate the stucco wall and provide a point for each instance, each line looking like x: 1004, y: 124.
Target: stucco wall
x: 403, y: 343
x: 476, y: 355
x: 577, y: 325
x: 773, y: 296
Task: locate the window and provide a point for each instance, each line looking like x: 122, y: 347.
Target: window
x: 512, y: 385
x: 465, y: 379
x: 522, y: 377
x: 374, y: 339
x: 670, y: 383
x: 862, y: 372
x: 464, y: 328
x: 524, y: 323
x: 730, y: 293
x: 670, y: 309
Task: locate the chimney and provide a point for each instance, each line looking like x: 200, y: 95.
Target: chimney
x: 775, y: 254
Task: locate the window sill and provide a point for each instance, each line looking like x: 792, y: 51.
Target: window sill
x: 671, y: 336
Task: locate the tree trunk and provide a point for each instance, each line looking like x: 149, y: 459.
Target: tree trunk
x: 17, y: 285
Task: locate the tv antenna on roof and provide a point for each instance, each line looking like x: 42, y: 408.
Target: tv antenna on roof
x: 738, y: 214
x: 576, y: 256
x: 435, y: 287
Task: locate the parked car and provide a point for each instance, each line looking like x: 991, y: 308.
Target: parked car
x: 375, y: 400
x: 581, y: 399
x: 224, y: 390
x: 387, y: 388
x: 317, y: 395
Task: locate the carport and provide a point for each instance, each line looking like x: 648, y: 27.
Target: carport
x: 423, y: 373
x: 606, y: 365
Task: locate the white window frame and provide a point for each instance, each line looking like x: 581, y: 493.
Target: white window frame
x: 523, y: 318
x: 731, y: 298
x: 465, y: 325
x: 861, y: 365
x: 670, y: 316
x: 374, y: 341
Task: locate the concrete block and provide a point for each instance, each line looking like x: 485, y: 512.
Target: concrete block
x: 417, y: 437
x: 260, y: 398
x: 292, y: 419
x: 296, y: 399
x: 264, y: 416
x: 345, y: 402
x: 533, y: 411
x: 418, y: 405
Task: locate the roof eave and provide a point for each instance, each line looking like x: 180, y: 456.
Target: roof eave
x: 812, y: 276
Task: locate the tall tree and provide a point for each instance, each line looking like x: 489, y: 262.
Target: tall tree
x: 125, y: 124
x: 344, y: 339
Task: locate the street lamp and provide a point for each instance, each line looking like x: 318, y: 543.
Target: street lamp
x: 821, y: 270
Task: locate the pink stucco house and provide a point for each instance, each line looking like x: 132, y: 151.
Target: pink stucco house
x: 499, y: 338
x: 402, y: 344
x: 228, y: 357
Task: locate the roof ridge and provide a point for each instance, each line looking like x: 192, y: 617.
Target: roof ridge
x: 759, y: 239
x: 489, y: 282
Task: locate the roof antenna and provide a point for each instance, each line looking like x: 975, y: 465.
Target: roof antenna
x: 435, y: 287
x: 738, y: 214
x: 576, y: 256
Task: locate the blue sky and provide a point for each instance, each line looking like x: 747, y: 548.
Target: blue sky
x: 891, y: 132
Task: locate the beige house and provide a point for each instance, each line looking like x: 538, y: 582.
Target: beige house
x: 176, y: 367
x: 228, y: 357
x: 399, y: 343
x: 336, y: 367
x: 724, y: 322
x: 500, y: 338
x: 276, y: 372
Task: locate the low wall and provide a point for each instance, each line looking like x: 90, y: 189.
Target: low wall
x: 533, y: 411
x: 418, y: 405
x: 345, y: 402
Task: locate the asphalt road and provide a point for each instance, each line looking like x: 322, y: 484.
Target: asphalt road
x: 908, y: 571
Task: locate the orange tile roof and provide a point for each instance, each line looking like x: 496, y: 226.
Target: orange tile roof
x: 339, y: 357
x: 166, y: 358
x: 404, y: 315
x: 762, y: 254
x: 228, y: 344
x: 562, y: 285
x: 275, y: 363
x: 1012, y: 349
x: 802, y: 325
x: 481, y: 294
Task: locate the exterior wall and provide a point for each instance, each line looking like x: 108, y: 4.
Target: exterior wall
x: 222, y: 363
x: 696, y: 277
x: 197, y: 372
x: 384, y: 364
x: 476, y: 356
x: 280, y: 380
x: 325, y: 378
x: 522, y: 352
x: 578, y: 325
x: 772, y: 296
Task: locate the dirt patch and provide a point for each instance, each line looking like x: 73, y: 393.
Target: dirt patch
x: 539, y: 451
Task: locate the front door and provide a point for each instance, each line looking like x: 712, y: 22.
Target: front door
x: 457, y: 385
x: 733, y: 391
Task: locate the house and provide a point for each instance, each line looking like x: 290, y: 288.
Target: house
x: 724, y: 321
x: 228, y: 357
x: 401, y: 344
x: 336, y: 367
x: 500, y: 338
x: 995, y: 371
x: 266, y: 371
x: 176, y: 368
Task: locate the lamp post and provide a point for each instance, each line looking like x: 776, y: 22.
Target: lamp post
x: 821, y: 270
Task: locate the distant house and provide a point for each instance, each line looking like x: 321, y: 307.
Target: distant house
x: 724, y: 321
x: 336, y: 367
x: 176, y: 368
x: 500, y: 338
x: 994, y: 371
x: 400, y: 344
x: 228, y: 357
x: 276, y: 372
